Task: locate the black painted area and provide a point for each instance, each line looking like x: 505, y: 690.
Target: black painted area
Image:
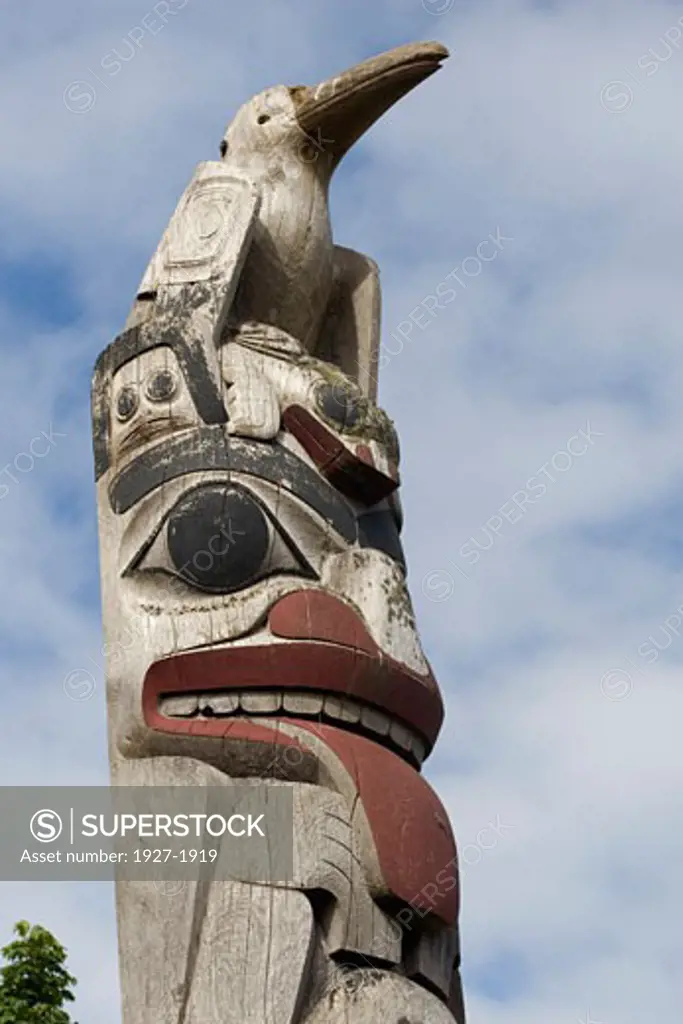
x: 126, y: 402
x: 339, y: 405
x: 379, y: 530
x: 218, y: 538
x: 210, y: 448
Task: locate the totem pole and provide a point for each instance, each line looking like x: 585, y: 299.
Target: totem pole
x: 250, y: 543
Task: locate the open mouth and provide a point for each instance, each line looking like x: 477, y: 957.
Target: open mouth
x: 320, y: 666
x: 311, y: 684
x: 329, y: 708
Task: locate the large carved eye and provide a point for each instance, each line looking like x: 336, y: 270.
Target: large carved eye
x: 161, y: 386
x: 220, y: 538
x: 127, y: 402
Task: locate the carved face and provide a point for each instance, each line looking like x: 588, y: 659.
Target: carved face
x: 257, y: 620
x: 253, y: 585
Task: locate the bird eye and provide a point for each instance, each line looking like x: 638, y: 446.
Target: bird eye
x: 219, y: 538
x: 263, y: 118
x: 224, y: 147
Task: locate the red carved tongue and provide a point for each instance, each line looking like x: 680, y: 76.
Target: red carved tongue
x: 410, y: 826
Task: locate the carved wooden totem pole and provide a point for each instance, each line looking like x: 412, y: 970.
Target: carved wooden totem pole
x: 249, y: 534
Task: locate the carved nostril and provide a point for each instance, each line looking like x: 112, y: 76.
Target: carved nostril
x: 223, y: 147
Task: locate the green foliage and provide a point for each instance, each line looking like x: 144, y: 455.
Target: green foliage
x: 34, y: 983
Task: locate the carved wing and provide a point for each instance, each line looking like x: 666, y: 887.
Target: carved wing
x: 350, y: 333
x: 205, y: 243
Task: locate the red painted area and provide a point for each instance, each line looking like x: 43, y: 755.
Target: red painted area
x: 415, y: 843
x: 351, y: 473
x: 304, y: 665
x: 321, y: 444
x: 315, y: 615
x: 365, y: 454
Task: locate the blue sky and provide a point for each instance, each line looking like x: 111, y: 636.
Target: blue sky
x: 557, y: 125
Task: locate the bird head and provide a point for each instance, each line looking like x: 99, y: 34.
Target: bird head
x: 319, y: 124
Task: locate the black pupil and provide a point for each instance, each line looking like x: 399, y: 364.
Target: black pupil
x: 338, y: 405
x: 263, y: 119
x: 127, y: 403
x: 161, y: 387
x: 218, y: 538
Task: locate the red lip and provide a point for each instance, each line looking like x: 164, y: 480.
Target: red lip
x: 330, y: 650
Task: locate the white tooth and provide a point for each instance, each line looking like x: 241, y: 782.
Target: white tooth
x: 313, y: 703
x: 340, y: 707
x: 419, y: 749
x: 333, y: 707
x: 303, y: 703
x: 179, y: 707
x: 224, y: 703
x: 401, y: 735
x: 375, y: 721
x: 260, y: 703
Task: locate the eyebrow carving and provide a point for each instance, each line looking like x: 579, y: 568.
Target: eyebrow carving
x: 209, y: 448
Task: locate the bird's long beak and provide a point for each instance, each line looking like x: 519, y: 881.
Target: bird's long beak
x: 335, y: 113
